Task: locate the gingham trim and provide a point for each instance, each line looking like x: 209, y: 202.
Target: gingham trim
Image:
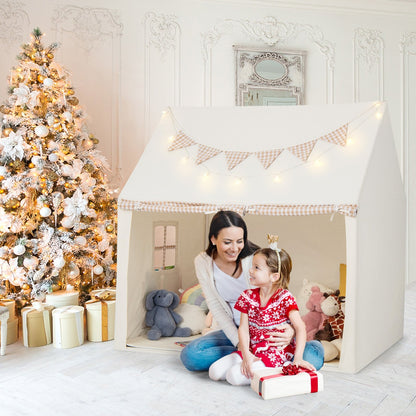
x: 267, y: 157
x: 235, y: 158
x: 180, y: 141
x: 265, y: 209
x: 205, y: 153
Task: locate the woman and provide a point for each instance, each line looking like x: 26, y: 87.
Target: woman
x: 223, y: 273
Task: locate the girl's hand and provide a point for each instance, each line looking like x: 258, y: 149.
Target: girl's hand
x: 281, y: 339
x: 246, y: 366
x: 304, y: 364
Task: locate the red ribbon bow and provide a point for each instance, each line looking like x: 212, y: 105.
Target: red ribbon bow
x: 290, y: 369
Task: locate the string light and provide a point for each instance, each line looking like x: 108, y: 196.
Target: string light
x: 238, y: 181
x: 277, y: 179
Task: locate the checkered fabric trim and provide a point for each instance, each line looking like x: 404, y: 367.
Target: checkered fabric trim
x: 303, y: 150
x: 338, y: 136
x: 235, y: 158
x: 266, y: 209
x: 205, y: 153
x: 180, y: 141
x: 267, y: 157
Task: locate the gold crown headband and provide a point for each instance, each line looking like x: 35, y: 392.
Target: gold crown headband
x: 273, y: 239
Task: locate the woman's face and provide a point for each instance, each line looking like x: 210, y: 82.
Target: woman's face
x: 229, y: 242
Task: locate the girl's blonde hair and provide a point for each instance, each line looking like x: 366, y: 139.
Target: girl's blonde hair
x: 272, y: 261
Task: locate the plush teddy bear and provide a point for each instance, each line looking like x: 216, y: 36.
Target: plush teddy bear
x: 161, y: 317
x: 314, y: 319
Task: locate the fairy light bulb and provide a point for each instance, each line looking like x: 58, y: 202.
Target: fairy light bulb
x: 379, y: 114
x: 277, y: 179
x: 318, y: 163
x: 185, y: 160
x: 237, y: 181
x: 171, y: 139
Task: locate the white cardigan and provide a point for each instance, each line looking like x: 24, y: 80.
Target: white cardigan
x: 219, y: 308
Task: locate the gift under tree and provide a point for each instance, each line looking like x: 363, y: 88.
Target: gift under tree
x: 57, y: 213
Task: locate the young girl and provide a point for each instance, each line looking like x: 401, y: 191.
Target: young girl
x: 263, y: 310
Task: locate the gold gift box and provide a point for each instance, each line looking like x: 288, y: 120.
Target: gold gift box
x: 37, y: 325
x: 12, y: 330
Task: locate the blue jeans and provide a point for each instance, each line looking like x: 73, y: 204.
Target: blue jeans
x: 199, y: 354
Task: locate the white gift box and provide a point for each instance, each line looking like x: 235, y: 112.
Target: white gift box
x: 68, y: 326
x: 271, y: 383
x: 62, y: 298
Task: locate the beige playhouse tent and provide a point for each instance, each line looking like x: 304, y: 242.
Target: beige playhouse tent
x: 325, y: 178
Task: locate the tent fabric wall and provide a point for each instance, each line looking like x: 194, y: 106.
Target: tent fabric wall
x: 364, y: 175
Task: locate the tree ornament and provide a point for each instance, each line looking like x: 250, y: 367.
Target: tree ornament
x: 19, y: 249
x: 41, y: 131
x: 40, y: 78
x: 48, y: 82
x: 57, y: 198
x: 110, y: 228
x: 45, y: 212
x: 73, y: 271
x: 80, y: 240
x: 53, y: 157
x: 59, y: 262
x: 67, y: 222
x: 30, y: 262
x: 7, y: 131
x: 98, y: 269
x: 72, y: 100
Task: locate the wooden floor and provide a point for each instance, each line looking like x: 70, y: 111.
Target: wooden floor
x: 96, y: 379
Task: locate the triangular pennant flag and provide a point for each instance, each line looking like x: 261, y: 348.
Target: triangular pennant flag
x: 303, y: 150
x: 181, y: 140
x: 338, y: 136
x: 235, y: 158
x: 205, y: 153
x: 267, y: 157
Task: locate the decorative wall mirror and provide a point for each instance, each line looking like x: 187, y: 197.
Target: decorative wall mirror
x: 269, y: 77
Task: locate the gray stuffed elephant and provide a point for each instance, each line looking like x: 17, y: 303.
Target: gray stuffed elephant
x: 161, y: 317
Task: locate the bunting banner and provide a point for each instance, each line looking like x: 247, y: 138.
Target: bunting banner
x: 235, y: 158
x: 338, y: 136
x: 205, y: 153
x: 303, y: 150
x: 180, y: 141
x: 266, y: 157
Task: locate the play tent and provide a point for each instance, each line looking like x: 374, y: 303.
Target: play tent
x: 325, y: 178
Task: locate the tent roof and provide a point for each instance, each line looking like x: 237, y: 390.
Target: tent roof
x: 330, y: 176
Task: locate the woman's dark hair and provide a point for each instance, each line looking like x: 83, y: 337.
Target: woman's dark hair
x: 225, y: 219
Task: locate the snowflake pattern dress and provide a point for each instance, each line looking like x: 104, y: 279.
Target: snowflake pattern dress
x: 264, y: 320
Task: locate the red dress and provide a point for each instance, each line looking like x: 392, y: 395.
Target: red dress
x: 263, y: 320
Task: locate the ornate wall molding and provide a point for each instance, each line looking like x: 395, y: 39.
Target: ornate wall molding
x: 407, y: 48
x: 368, y: 54
x: 163, y: 33
x: 271, y: 32
x: 14, y: 23
x: 92, y: 26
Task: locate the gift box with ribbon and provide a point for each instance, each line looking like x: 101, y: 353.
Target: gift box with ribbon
x: 101, y: 317
x: 12, y: 321
x: 68, y: 326
x: 271, y: 383
x: 37, y: 324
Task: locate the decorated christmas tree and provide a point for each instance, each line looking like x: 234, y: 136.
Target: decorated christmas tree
x: 57, y: 213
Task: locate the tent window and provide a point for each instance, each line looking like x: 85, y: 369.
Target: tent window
x: 164, y: 252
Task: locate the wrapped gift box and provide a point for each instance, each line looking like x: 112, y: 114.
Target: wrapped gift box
x: 11, y: 305
x: 62, y: 298
x: 37, y: 325
x: 271, y: 383
x: 100, y: 319
x: 105, y: 293
x: 68, y: 326
x: 12, y: 330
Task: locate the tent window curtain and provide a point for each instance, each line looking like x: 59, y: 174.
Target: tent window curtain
x: 164, y: 250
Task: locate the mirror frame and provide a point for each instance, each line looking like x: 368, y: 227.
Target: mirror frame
x: 249, y: 82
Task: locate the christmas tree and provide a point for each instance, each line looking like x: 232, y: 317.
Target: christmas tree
x: 57, y: 214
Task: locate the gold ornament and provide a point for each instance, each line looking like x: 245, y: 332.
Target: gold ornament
x: 50, y: 55
x: 1, y: 177
x: 2, y: 191
x: 89, y: 168
x: 31, y: 165
x: 40, y: 78
x: 72, y: 100
x: 91, y: 204
x: 7, y: 131
x: 25, y: 286
x: 5, y: 110
x: 67, y: 185
x: 110, y: 228
x: 69, y: 91
x: 65, y: 149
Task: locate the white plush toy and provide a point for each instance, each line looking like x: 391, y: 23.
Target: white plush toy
x: 305, y: 293
x: 193, y: 317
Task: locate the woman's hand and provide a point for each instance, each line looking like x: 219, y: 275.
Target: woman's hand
x: 283, y: 337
